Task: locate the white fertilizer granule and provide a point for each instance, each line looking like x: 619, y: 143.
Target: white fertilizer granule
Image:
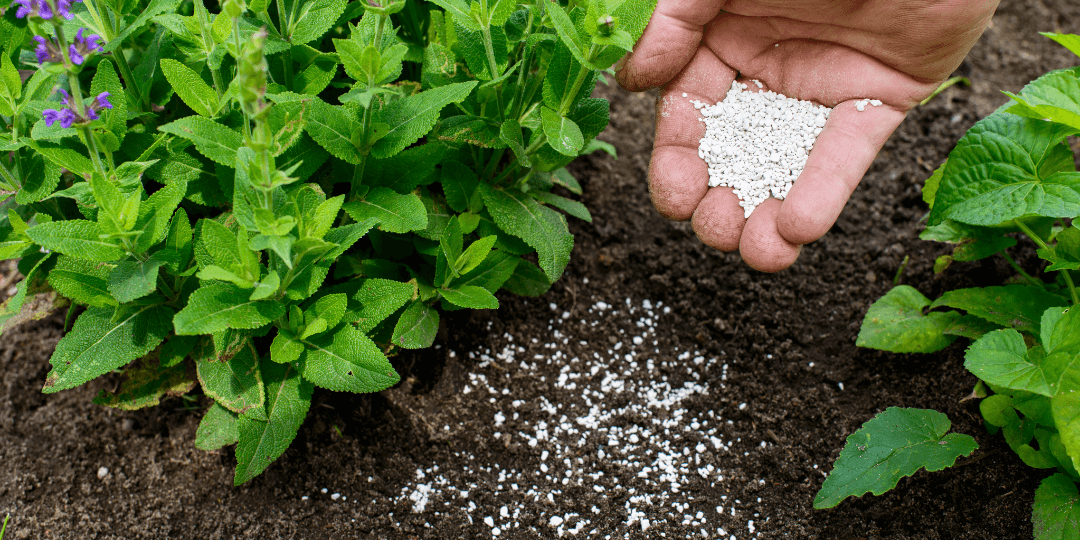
x: 758, y: 142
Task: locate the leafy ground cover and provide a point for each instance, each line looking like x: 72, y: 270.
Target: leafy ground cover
x: 367, y: 449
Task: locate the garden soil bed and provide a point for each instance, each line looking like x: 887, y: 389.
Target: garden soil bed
x: 756, y: 375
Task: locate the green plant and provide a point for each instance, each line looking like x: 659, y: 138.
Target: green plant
x: 1013, y: 172
x: 264, y: 197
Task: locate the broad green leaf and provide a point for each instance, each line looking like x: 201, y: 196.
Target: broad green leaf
x: 998, y: 410
x: 285, y: 349
x: 896, y: 323
x: 460, y: 186
x: 527, y: 280
x: 1054, y: 96
x: 591, y: 116
x: 98, y: 344
x: 562, y: 133
x: 82, y: 281
x: 211, y: 139
x: 633, y: 16
x: 190, y: 87
x: 542, y: 228
x: 404, y: 171
x: 996, y: 174
x: 1002, y: 358
x: 972, y: 242
x: 328, y: 309
x: 493, y: 272
x: 217, y: 306
x: 1060, y: 330
x: 144, y: 385
x: 461, y: 12
x: 395, y: 212
x: 1065, y: 408
x: 1065, y: 254
x: 315, y: 263
x: 77, y: 238
x: 468, y: 129
x: 378, y: 299
x: 511, y: 135
x: 1069, y: 41
x: 568, y: 33
x: 470, y: 296
x: 1014, y: 306
x: 179, y: 238
x: 66, y: 158
x: 412, y: 117
x: 893, y: 444
x: 106, y: 80
x: 417, y: 326
x: 1056, y: 512
x: 971, y: 327
x: 313, y: 19
x: 333, y: 128
x: 347, y: 361
x: 176, y: 349
x: 155, y: 213
x: 235, y: 383
x: 216, y: 429
x: 40, y: 178
x: 10, y: 85
x: 266, y: 432
x: 134, y: 279
x: 570, y: 206
x: 475, y: 254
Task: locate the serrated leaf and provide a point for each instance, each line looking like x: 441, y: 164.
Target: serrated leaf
x: 266, y: 432
x: 562, y: 133
x: 347, y: 361
x: 40, y: 180
x: 470, y: 296
x: 1014, y: 306
x: 10, y: 86
x: 190, y: 87
x: 66, y: 158
x: 895, y: 443
x: 493, y: 272
x: 131, y: 280
x: 404, y: 171
x: 971, y: 327
x: 1065, y: 408
x: 461, y: 12
x: 1065, y: 254
x: 82, y: 281
x: 511, y: 135
x: 77, y: 238
x: 570, y: 206
x: 1056, y: 512
x: 378, y: 299
x: 328, y: 309
x: 591, y: 116
x: 217, y: 428
x: 313, y: 19
x: 568, y: 34
x: 235, y: 383
x: 542, y: 228
x: 395, y: 212
x: 211, y: 139
x: 1001, y: 357
x: 895, y: 322
x: 97, y: 344
x: 217, y: 306
x: 285, y: 349
x: 1054, y: 96
x: 1069, y: 41
x: 414, y: 116
x: 106, y: 80
x: 155, y: 213
x: 144, y: 385
x: 417, y: 326
x: 333, y: 127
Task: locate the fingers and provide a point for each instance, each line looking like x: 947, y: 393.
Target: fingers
x: 668, y: 43
x: 842, y: 153
x: 678, y: 177
x: 718, y: 220
x: 762, y: 246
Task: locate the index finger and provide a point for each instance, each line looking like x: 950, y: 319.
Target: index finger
x: 669, y: 42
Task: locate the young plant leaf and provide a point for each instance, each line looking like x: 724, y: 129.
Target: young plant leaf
x: 131, y: 280
x: 347, y: 361
x: 470, y: 296
x: 1065, y: 254
x: 461, y: 12
x: 417, y: 326
x: 211, y: 139
x: 493, y: 272
x: 1069, y: 41
x: 896, y: 323
x: 333, y: 128
x: 98, y: 344
x: 412, y: 117
x: 77, y: 238
x: 234, y: 383
x: 144, y: 385
x: 542, y: 228
x: 190, y: 87
x: 527, y: 280
x: 1065, y: 408
x: 216, y: 429
x: 217, y: 306
x: 1054, y: 96
x: 266, y: 432
x: 395, y: 213
x: 893, y: 444
x: 84, y: 282
x: 1014, y: 306
x: 1001, y: 357
x: 1056, y: 512
x: 562, y: 133
x: 379, y: 298
x: 313, y: 19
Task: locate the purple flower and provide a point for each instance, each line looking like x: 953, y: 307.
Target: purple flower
x: 83, y: 46
x: 47, y: 51
x: 63, y: 7
x: 33, y: 8
x: 51, y: 116
x: 103, y: 101
x: 92, y: 114
x: 68, y: 116
x: 66, y: 96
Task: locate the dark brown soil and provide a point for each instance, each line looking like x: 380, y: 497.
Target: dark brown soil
x: 769, y: 328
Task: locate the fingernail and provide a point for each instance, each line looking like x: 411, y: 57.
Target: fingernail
x: 622, y: 62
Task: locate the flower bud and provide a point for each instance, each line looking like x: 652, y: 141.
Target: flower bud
x: 605, y: 26
x: 252, y: 75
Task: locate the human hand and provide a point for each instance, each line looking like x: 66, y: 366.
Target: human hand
x: 832, y: 52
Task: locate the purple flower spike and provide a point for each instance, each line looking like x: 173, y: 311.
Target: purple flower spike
x: 33, y: 8
x: 67, y: 117
x: 83, y: 46
x: 63, y: 7
x: 47, y: 51
x: 92, y: 114
x: 51, y: 116
x: 76, y: 58
x: 66, y: 96
x: 103, y: 101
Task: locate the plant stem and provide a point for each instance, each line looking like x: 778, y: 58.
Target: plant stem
x: 129, y: 82
x: 358, y: 170
x: 1042, y: 244
x: 1021, y: 271
x: 583, y: 73
x: 208, y: 44
x: 236, y: 43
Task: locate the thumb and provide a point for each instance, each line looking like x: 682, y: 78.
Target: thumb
x: 670, y: 40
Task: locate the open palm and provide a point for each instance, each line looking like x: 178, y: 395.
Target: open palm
x: 833, y: 52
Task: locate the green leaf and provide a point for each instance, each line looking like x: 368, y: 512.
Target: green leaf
x: 468, y: 129
x: 475, y: 254
x: 417, y: 326
x: 211, y: 139
x: 1065, y: 408
x: 77, y: 238
x: 412, y: 117
x: 542, y: 228
x: 131, y: 280
x: 1060, y: 330
x: 97, y: 344
x: 570, y: 206
x: 347, y: 361
x: 971, y: 327
x: 562, y: 133
x: 190, y: 87
x: 155, y: 213
x: 893, y: 444
x: 1014, y: 306
x: 1065, y: 254
x: 527, y: 280
x: 1054, y: 96
x: 217, y: 306
x: 155, y: 7
x: 82, y: 281
x: 66, y: 158
x: 568, y: 33
x: 379, y: 298
x: 460, y: 186
x: 1001, y: 357
x: 106, y: 80
x: 285, y: 349
x: 266, y: 432
x: 234, y: 382
x: 216, y: 429
x: 896, y: 323
x: 144, y: 385
x: 10, y: 85
x: 1056, y: 512
x: 395, y: 212
x: 40, y: 179
x: 972, y: 243
x: 493, y: 272
x: 996, y: 173
x: 998, y: 410
x: 470, y: 296
x: 333, y: 128
x: 461, y: 12
x: 405, y: 171
x: 313, y: 19
x: 511, y: 135
x: 328, y: 309
x: 1069, y: 41
x: 591, y: 115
